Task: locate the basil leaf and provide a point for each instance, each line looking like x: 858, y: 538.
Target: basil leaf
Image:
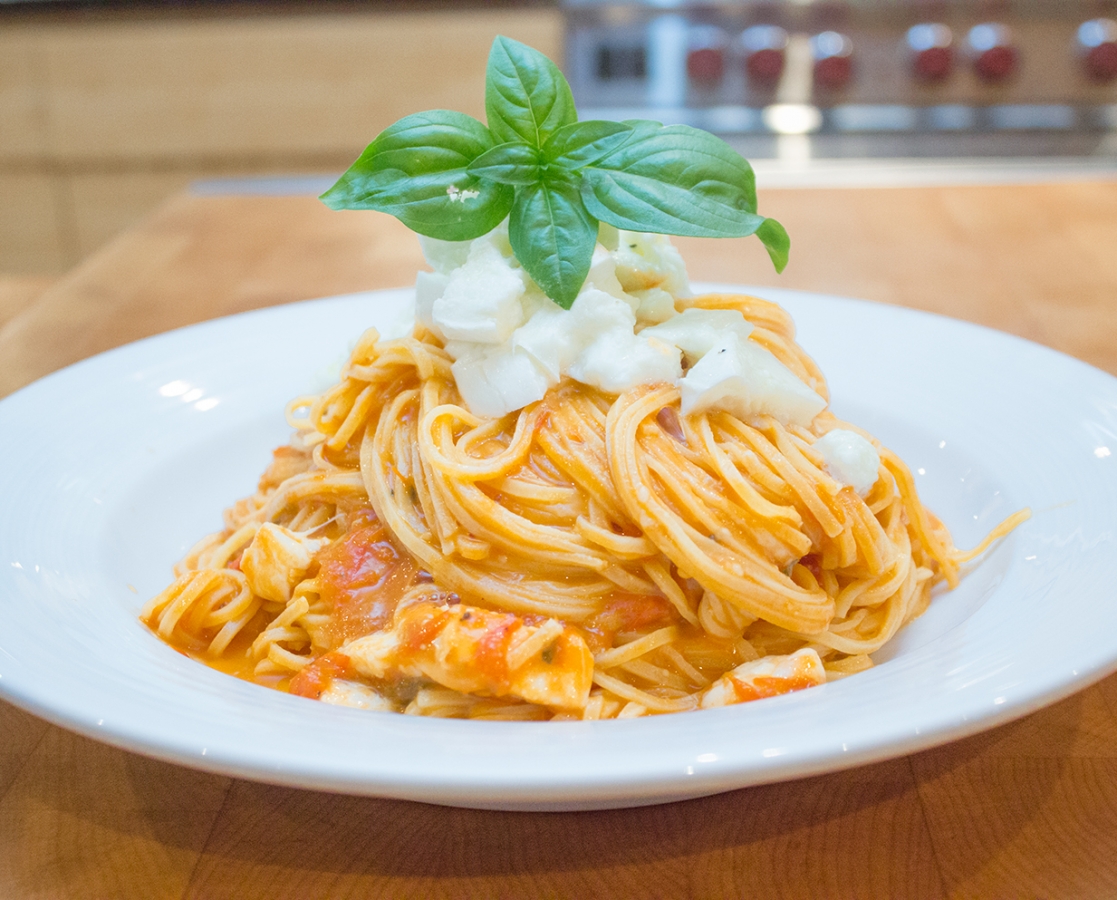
x: 582, y: 143
x: 527, y: 98
x: 511, y: 163
x: 553, y: 237
x: 776, y: 242
x: 415, y: 170
x: 673, y: 180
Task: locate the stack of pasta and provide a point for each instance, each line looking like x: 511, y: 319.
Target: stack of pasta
x: 589, y: 556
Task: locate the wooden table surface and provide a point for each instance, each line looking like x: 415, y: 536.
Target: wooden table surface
x: 1027, y: 810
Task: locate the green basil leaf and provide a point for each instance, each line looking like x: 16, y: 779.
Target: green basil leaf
x: 459, y: 210
x: 527, y: 98
x: 776, y: 242
x: 673, y: 180
x: 511, y: 163
x: 553, y: 237
x: 582, y: 143
x: 416, y: 170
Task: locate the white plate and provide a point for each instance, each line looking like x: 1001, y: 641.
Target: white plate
x: 114, y: 466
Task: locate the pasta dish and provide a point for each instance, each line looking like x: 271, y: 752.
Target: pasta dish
x: 465, y: 526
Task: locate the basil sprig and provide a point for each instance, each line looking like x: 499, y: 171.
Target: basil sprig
x: 445, y: 175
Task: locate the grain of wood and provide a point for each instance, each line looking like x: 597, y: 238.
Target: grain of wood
x: 200, y: 258
x: 107, y: 204
x: 811, y: 838
x: 21, y: 733
x: 32, y: 231
x: 18, y: 293
x: 85, y: 820
x: 1024, y: 827
x: 1108, y: 690
x: 1029, y: 809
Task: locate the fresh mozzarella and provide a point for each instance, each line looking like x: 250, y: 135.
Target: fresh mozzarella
x: 444, y: 256
x: 745, y: 379
x: 619, y: 360
x: 603, y: 274
x: 510, y: 343
x: 850, y: 459
x: 481, y: 301
x: 277, y: 560
x: 555, y: 337
x: 655, y: 305
x: 429, y: 286
x: 650, y: 260
x: 697, y: 331
x: 546, y: 338
x: 353, y: 693
x: 495, y: 381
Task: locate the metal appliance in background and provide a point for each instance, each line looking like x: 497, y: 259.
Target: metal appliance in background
x: 863, y: 78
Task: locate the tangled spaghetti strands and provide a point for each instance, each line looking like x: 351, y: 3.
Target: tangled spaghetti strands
x: 731, y: 531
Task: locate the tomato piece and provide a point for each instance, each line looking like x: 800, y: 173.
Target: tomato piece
x: 421, y: 624
x: 361, y: 578
x: 763, y: 686
x: 491, y: 658
x: 632, y: 612
x: 315, y: 679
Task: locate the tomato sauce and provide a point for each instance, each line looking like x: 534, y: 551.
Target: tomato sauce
x: 361, y: 579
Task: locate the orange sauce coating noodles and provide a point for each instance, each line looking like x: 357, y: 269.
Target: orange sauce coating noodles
x: 590, y: 556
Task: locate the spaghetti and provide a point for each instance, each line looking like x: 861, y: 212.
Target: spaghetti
x: 589, y: 556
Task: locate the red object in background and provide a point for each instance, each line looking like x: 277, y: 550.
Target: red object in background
x: 764, y: 48
x: 705, y: 58
x: 932, y: 53
x: 1097, y: 44
x: 705, y: 64
x: 992, y: 50
x: 833, y: 60
x: 765, y: 65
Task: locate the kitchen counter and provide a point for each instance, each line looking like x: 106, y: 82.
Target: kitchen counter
x: 1028, y: 809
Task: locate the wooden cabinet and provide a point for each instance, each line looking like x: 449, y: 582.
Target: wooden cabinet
x: 101, y: 117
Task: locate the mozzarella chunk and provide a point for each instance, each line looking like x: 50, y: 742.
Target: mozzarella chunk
x: 767, y: 677
x: 548, y: 339
x: 277, y: 560
x: 850, y: 459
x: 655, y: 305
x: 697, y: 331
x: 497, y: 380
x: 650, y: 260
x: 510, y: 343
x: 745, y: 379
x: 429, y: 286
x: 619, y: 360
x: 603, y: 275
x: 352, y: 693
x: 444, y: 256
x: 481, y: 301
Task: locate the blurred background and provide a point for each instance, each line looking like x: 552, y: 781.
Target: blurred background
x: 107, y: 108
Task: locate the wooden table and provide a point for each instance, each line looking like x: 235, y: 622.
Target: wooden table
x: 1028, y: 810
